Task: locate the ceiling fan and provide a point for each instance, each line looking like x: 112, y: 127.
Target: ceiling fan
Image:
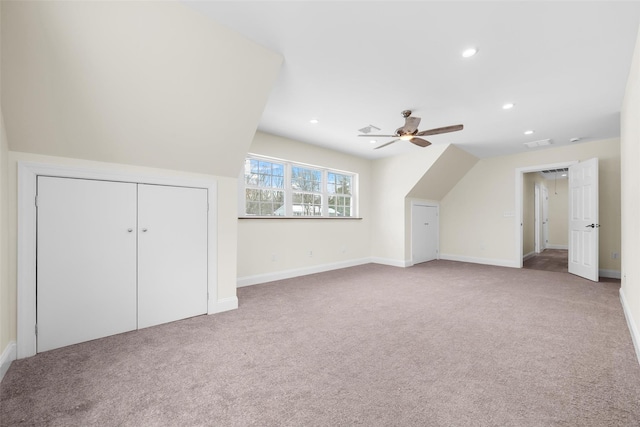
x: 409, y: 132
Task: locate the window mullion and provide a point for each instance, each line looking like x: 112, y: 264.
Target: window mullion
x: 324, y: 197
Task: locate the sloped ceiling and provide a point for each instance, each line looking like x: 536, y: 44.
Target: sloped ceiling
x: 444, y: 174
x: 144, y: 83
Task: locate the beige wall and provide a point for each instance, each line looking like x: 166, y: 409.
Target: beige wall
x: 487, y: 194
x: 6, y: 314
x: 146, y: 83
x: 529, y: 181
x: 392, y: 179
x: 267, y: 246
x: 423, y: 174
x: 630, y: 150
x: 436, y: 182
x: 142, y: 86
x: 7, y: 307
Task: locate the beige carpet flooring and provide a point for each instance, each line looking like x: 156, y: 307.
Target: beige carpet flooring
x: 549, y: 260
x: 438, y: 344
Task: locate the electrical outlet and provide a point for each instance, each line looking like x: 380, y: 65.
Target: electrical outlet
x: 310, y: 253
x: 615, y: 255
x: 274, y: 257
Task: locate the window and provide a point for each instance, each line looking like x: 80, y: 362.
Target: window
x: 264, y: 193
x: 271, y: 187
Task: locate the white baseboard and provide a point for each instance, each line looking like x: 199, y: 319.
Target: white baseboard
x: 288, y: 274
x: 391, y: 262
x: 529, y: 255
x: 475, y: 260
x: 224, y: 304
x: 8, y: 356
x: 611, y: 274
x: 565, y: 247
x: 635, y: 335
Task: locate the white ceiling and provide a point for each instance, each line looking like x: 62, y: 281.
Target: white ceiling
x: 351, y: 64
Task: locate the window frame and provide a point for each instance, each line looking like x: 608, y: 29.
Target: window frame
x: 289, y: 191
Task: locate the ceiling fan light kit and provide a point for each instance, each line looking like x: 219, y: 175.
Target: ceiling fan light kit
x: 409, y: 132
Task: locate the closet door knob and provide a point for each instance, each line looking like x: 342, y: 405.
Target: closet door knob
x: 144, y: 230
x: 129, y: 230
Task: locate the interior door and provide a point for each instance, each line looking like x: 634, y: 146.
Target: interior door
x: 86, y: 260
x: 424, y: 233
x: 583, y: 219
x: 172, y: 253
x: 545, y: 217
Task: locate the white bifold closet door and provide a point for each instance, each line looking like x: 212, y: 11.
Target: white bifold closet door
x: 172, y: 253
x: 86, y: 252
x: 114, y: 257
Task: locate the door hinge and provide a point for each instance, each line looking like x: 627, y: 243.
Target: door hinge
x: 207, y: 207
x: 36, y: 201
x: 36, y: 329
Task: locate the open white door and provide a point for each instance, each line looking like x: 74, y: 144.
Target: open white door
x: 583, y: 219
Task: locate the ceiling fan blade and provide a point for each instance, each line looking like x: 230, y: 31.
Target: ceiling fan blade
x: 381, y: 136
x: 419, y: 141
x: 388, y: 143
x: 437, y: 131
x: 411, y: 124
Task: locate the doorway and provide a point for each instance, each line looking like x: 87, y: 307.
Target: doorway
x: 583, y: 235
x: 542, y: 232
x: 550, y: 222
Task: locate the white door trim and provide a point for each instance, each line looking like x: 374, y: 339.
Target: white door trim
x: 519, y: 199
x: 26, y: 262
x: 428, y: 203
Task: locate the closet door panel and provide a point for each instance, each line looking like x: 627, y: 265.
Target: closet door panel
x: 172, y: 253
x: 86, y: 260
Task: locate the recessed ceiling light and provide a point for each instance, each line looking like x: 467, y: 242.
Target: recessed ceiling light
x: 564, y: 174
x: 508, y: 106
x: 528, y: 132
x: 313, y: 121
x: 468, y: 53
x: 373, y: 141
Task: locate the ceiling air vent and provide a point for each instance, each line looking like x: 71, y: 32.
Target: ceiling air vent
x: 539, y: 143
x: 368, y: 129
x: 556, y: 170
